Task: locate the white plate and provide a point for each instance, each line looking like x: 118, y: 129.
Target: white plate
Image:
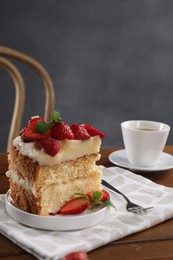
x: 120, y: 158
x: 59, y: 222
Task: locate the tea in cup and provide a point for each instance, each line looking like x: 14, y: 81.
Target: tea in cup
x: 144, y: 141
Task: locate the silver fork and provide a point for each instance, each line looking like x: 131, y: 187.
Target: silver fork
x: 132, y: 207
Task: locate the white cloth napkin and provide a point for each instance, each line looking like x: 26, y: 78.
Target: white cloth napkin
x: 120, y: 223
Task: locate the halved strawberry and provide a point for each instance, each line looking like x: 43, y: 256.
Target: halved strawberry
x: 78, y: 255
x: 35, y: 118
x: 95, y: 196
x: 61, y: 131
x: 93, y: 131
x: 50, y: 146
x: 75, y: 206
x: 80, y: 133
x: 30, y: 134
x: 105, y: 196
x: 24, y: 139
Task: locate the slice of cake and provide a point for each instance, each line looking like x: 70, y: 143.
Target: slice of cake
x: 50, y: 162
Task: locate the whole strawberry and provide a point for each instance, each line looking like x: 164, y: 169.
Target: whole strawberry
x: 50, y: 146
x: 61, y: 131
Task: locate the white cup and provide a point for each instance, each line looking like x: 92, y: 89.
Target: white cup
x: 144, y: 141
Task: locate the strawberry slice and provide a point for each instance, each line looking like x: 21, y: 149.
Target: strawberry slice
x: 61, y: 131
x: 24, y: 139
x: 95, y: 196
x: 105, y: 196
x: 30, y: 134
x: 93, y: 131
x: 35, y: 118
x: 78, y: 255
x: 75, y: 206
x: 80, y: 133
x: 50, y: 146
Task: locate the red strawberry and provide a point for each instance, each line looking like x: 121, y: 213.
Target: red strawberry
x: 93, y: 131
x: 50, y: 146
x: 35, y: 118
x: 61, y: 131
x: 102, y: 195
x: 80, y: 133
x: 78, y: 255
x: 75, y: 206
x: 24, y: 139
x: 105, y: 196
x: 29, y: 134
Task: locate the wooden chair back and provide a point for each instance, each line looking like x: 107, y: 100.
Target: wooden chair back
x: 17, y: 78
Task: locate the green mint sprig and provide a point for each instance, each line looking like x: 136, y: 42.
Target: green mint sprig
x: 96, y: 196
x: 43, y: 127
x: 56, y: 117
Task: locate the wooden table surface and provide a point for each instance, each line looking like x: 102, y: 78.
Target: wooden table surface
x: 153, y: 243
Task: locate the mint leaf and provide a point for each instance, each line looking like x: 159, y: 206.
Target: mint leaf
x: 109, y: 204
x: 42, y: 127
x: 56, y: 117
x: 81, y: 195
x: 97, y: 203
x: 97, y: 195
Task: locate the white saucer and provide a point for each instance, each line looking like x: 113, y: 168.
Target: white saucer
x: 58, y: 222
x: 120, y: 158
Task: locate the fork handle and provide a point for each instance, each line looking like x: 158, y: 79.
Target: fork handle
x: 109, y: 186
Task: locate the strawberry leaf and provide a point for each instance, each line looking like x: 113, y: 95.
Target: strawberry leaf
x: 42, y: 127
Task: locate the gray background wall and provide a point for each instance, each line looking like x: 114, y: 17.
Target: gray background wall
x: 110, y: 60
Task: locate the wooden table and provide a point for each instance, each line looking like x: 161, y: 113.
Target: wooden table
x: 154, y: 243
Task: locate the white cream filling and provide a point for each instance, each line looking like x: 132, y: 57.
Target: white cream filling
x: 70, y: 150
x: 20, y: 181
